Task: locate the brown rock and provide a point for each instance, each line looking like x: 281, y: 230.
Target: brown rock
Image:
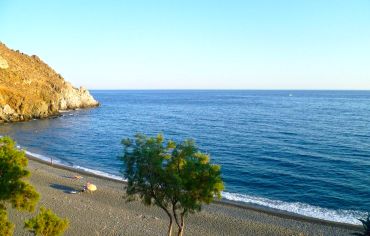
x: 29, y: 88
x: 3, y: 63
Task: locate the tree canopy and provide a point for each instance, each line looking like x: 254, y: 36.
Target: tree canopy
x: 13, y: 186
x: 176, y: 177
x: 14, y: 189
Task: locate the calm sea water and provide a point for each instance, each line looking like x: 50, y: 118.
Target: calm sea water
x: 306, y: 152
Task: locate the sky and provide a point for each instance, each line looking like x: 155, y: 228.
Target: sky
x: 200, y: 44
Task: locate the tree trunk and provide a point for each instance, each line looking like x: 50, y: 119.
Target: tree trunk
x: 169, y: 231
x: 170, y: 227
x: 181, y: 231
x: 181, y: 228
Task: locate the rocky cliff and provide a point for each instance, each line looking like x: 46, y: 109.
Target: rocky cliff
x: 29, y: 88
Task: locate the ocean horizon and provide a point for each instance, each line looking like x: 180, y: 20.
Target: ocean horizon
x: 300, y: 151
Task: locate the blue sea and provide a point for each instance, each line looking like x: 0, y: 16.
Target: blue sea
x: 306, y: 152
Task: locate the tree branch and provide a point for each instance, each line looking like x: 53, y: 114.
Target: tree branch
x: 182, y: 216
x: 159, y: 203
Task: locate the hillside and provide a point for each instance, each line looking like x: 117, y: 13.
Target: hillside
x: 29, y: 89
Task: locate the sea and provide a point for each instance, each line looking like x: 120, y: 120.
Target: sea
x: 304, y: 152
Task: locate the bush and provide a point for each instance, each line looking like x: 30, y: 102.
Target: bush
x: 46, y: 223
x: 6, y: 227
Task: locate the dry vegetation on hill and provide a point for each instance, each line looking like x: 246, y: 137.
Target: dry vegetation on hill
x: 29, y: 88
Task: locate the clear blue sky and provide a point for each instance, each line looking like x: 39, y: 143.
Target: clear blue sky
x: 296, y: 44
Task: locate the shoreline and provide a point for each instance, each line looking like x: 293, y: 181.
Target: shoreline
x: 223, y: 202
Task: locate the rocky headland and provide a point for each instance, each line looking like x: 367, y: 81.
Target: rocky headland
x: 30, y: 89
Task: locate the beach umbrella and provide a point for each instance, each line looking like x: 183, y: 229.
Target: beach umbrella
x: 91, y: 187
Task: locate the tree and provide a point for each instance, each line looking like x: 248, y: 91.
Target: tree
x: 46, y: 223
x: 14, y: 189
x: 13, y: 186
x: 366, y: 226
x: 178, y: 178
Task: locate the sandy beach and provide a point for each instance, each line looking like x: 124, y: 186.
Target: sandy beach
x: 105, y: 212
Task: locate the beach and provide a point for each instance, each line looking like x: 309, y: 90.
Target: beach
x: 269, y: 153
x: 264, y: 104
x: 106, y: 212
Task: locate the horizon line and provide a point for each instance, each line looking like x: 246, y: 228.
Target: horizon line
x: 219, y: 89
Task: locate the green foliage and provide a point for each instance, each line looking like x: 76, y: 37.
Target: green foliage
x: 366, y: 226
x: 6, y: 227
x: 21, y: 195
x: 46, y: 223
x: 13, y: 187
x: 176, y: 177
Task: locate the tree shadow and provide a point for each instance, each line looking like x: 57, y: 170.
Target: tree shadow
x: 64, y: 188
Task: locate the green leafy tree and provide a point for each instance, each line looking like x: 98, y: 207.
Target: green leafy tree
x: 46, y: 223
x: 14, y: 189
x: 13, y: 186
x: 175, y: 177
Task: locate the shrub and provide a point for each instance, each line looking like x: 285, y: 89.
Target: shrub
x: 46, y: 223
x: 6, y: 227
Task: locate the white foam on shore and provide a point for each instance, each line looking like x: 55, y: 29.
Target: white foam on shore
x: 97, y: 172
x: 92, y: 171
x: 342, y: 216
x: 38, y: 156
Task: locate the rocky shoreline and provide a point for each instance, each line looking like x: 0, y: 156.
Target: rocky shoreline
x: 30, y: 89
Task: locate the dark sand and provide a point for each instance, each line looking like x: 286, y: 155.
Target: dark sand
x: 105, y: 212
